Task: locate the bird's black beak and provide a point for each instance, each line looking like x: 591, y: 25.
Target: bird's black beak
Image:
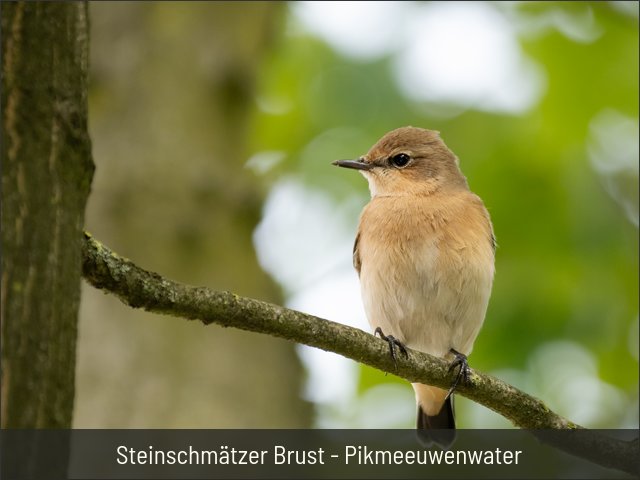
x: 358, y: 164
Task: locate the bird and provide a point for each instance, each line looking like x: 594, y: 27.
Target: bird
x: 425, y: 255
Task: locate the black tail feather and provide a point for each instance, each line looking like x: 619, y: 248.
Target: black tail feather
x: 438, y: 429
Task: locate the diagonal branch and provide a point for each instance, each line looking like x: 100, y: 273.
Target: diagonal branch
x: 139, y: 288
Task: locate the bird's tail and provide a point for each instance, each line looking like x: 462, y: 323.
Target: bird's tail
x: 435, y: 422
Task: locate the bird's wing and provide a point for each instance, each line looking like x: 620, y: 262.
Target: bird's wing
x: 356, y: 254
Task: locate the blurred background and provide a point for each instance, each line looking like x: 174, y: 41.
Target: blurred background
x: 213, y: 128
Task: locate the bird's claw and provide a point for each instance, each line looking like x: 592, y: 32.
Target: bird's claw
x: 393, y: 343
x: 463, y: 373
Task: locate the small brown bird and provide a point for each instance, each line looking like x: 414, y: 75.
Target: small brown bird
x: 424, y: 252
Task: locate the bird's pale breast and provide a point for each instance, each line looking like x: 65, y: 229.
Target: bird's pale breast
x: 426, y: 269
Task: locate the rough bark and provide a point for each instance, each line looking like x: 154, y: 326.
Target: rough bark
x: 46, y: 178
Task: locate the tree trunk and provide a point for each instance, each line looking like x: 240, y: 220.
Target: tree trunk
x: 171, y: 99
x: 46, y: 178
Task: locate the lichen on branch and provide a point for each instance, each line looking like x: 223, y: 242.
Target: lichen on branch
x: 140, y: 288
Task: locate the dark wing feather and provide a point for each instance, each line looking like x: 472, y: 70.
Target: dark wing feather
x: 356, y: 254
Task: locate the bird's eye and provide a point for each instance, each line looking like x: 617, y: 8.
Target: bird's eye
x: 400, y: 160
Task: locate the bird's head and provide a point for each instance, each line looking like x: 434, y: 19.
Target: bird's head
x: 408, y: 161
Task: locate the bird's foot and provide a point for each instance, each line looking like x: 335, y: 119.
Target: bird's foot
x: 393, y: 343
x: 460, y: 360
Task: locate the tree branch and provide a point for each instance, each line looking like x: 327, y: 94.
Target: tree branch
x: 139, y: 288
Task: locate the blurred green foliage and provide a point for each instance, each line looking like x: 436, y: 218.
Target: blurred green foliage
x: 567, y: 262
